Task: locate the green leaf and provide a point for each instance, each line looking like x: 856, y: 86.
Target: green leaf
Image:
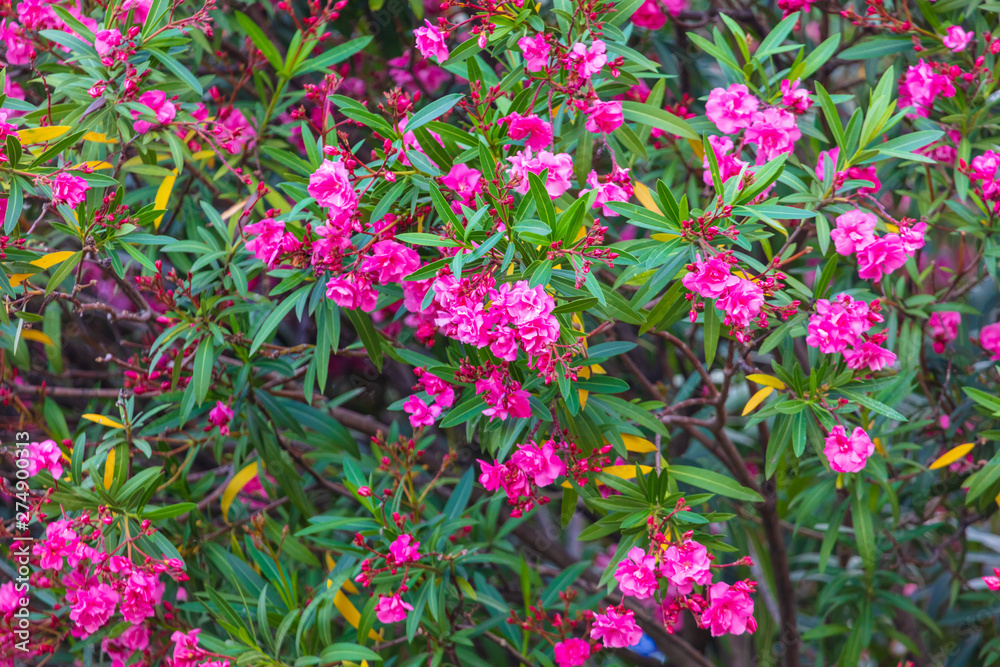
x: 204, y: 359
x: 713, y: 482
x: 271, y: 322
x: 332, y: 56
x: 260, y: 40
x: 432, y: 111
x: 372, y: 341
x: 713, y: 327
x: 644, y: 114
x: 864, y: 531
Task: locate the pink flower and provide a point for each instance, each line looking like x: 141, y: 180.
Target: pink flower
x: 93, y: 607
x: 220, y: 416
x: 330, y: 186
x: 60, y: 542
x: 989, y: 338
x: 234, y: 131
x: 944, y: 328
x: 391, y: 609
x: 19, y: 49
x: 464, y: 182
x: 730, y: 609
x: 687, y: 565
x: 536, y: 52
x: 855, y: 230
x: 45, y: 455
x: 588, y: 61
x: 157, y: 102
x: 710, y: 278
x: 69, y: 189
x: 560, y: 166
x: 636, y: 574
x: 732, y: 108
x: 10, y: 598
x: 187, y: 653
x: 869, y: 355
x: 729, y: 165
x: 605, y: 117
x: 649, y: 15
x: 921, y: 86
x: 392, y: 261
x: 794, y: 98
x: 353, y: 291
x: 881, y: 257
x: 617, y: 187
x: 106, y: 41
x: 420, y: 413
x: 848, y: 454
x: 140, y: 9
x: 773, y: 132
x: 503, y: 401
x: 993, y: 582
x: 404, y: 549
x: 572, y: 652
x: 431, y: 42
x: 537, y: 131
x: 271, y: 241
x: 120, y: 649
x: 957, y: 39
x: 540, y: 463
x: 491, y: 474
x: 838, y: 325
x: 140, y: 596
x: 615, y: 629
x: 741, y: 302
x: 912, y: 237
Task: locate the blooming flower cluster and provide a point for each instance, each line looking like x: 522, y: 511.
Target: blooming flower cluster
x: 773, y: 131
x: 848, y: 453
x: 876, y: 255
x: 841, y: 326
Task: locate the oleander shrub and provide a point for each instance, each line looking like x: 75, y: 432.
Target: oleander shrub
x: 612, y: 332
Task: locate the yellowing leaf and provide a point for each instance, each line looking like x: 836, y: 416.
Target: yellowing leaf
x: 766, y: 380
x: 39, y: 135
x: 757, y: 399
x: 698, y: 148
x: 344, y: 605
x: 892, y: 228
x: 625, y: 471
x: 18, y: 278
x: 840, y: 481
x: 636, y: 444
x: 37, y: 336
x: 163, y: 196
x: 99, y: 138
x: 234, y: 209
x: 103, y: 421
x: 952, y: 455
x: 665, y: 237
x: 109, y: 470
x: 645, y: 198
x: 879, y: 448
x: 236, y: 484
x: 53, y: 258
x: 97, y: 164
x: 585, y: 373
x: 997, y: 500
x: 203, y: 155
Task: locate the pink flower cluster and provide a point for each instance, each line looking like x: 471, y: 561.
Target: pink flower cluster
x: 922, y: 85
x: 530, y: 468
x: 989, y: 338
x: 944, y: 328
x: 616, y: 186
x: 848, y: 453
x: 69, y: 189
x: 681, y: 567
x: 45, y: 455
x: 164, y: 110
x: 559, y: 165
x: 985, y: 169
x: 741, y: 299
x: 773, y: 130
x: 877, y: 256
x: 443, y: 395
x: 840, y: 326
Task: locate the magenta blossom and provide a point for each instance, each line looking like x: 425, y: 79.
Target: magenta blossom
x: 45, y: 455
x: 536, y: 132
x: 404, y: 549
x: 536, y: 52
x: 431, y: 42
x: 420, y: 413
x: 741, y: 302
x: 730, y: 609
x: 93, y: 607
x: 604, y: 117
x: 391, y: 609
x: 848, y: 453
x: 710, y: 278
x: 162, y: 108
x: 687, y: 565
x: 732, y: 108
x: 989, y: 338
x: 542, y: 464
x: 957, y: 39
x: 588, y: 61
x: 69, y: 189
x: 616, y: 629
x: 636, y: 574
x: 881, y: 257
x: 944, y: 328
x: 571, y: 652
x: 855, y: 230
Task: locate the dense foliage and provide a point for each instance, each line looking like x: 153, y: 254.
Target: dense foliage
x: 588, y: 331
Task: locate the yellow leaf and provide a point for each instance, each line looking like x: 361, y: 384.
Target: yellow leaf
x: 109, y: 470
x: 234, y: 209
x: 203, y: 155
x: 103, y: 421
x: 163, y: 196
x: 236, y: 484
x: 37, y: 336
x: 665, y: 237
x: 879, y: 448
x: 636, y: 444
x: 645, y: 198
x: 39, y: 135
x: 997, y: 500
x: 53, y: 258
x: 757, y: 399
x: 892, y: 228
x: 952, y: 455
x: 99, y: 138
x: 625, y: 471
x: 766, y: 380
x: 18, y: 278
x: 840, y: 481
x: 96, y: 164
